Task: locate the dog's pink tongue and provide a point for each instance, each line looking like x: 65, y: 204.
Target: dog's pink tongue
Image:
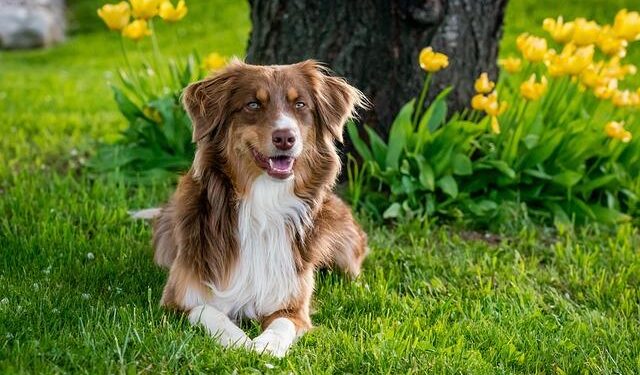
x: 281, y: 164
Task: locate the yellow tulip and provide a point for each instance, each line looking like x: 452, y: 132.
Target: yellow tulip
x: 479, y: 102
x: 627, y: 25
x: 555, y: 66
x: 521, y: 40
x: 510, y: 64
x: 571, y: 61
x: 531, y: 90
x: 136, y: 30
x: 556, y: 70
x: 560, y: 31
x: 613, y: 69
x: 607, y: 90
x: 591, y: 76
x: 493, y: 107
x: 533, y: 48
x: 630, y: 69
x: 612, y: 128
x: 610, y: 44
x: 214, y: 61
x: 145, y: 9
x: 495, y: 125
x: 585, y: 32
x: 615, y: 130
x: 622, y: 98
x: 483, y: 84
x: 170, y: 14
x: 626, y: 136
x: 116, y: 16
x: 577, y: 59
x: 432, y: 61
x: 635, y: 98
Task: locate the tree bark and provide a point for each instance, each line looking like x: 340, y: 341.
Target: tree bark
x: 375, y: 44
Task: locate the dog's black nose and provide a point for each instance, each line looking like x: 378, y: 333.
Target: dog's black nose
x: 283, y: 139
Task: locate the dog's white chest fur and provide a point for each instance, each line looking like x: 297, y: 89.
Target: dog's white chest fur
x: 265, y: 278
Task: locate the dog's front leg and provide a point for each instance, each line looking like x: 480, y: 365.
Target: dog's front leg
x: 277, y: 338
x: 219, y: 325
x: 283, y: 327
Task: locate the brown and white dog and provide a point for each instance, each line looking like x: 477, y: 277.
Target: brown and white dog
x: 255, y: 215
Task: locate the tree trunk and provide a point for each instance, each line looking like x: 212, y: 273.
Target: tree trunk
x: 375, y: 44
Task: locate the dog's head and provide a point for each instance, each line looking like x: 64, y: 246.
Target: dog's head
x: 250, y: 119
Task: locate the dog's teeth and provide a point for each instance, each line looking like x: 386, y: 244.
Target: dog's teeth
x: 280, y: 164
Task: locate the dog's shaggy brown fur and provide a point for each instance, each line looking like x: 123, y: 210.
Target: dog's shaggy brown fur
x: 196, y: 235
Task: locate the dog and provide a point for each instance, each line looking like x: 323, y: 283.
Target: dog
x: 255, y: 215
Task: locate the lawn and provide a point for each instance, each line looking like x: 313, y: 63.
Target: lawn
x: 79, y: 292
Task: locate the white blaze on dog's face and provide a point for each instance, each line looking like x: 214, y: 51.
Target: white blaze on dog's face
x: 275, y: 123
x: 270, y: 122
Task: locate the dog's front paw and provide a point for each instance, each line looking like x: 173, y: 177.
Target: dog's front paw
x: 271, y: 342
x: 277, y: 338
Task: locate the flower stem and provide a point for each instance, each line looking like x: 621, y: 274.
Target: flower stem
x: 124, y: 54
x: 149, y: 84
x: 596, y: 108
x: 571, y: 106
x: 417, y: 111
x: 157, y: 56
x: 554, y: 97
x: 130, y: 71
x: 512, y: 148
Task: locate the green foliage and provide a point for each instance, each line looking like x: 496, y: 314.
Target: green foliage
x: 412, y: 176
x: 157, y: 141
x: 557, y: 158
x: 556, y: 166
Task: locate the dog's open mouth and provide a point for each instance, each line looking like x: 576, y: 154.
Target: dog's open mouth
x: 279, y: 166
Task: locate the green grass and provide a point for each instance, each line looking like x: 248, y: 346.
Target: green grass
x: 79, y: 292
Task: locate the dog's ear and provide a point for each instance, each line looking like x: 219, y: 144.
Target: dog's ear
x: 207, y: 101
x: 336, y: 101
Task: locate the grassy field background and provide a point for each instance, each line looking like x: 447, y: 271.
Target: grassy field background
x: 79, y: 292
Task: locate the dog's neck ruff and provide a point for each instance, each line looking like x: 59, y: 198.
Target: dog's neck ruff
x: 265, y: 277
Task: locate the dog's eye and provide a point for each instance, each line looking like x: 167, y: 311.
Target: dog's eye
x: 300, y: 105
x: 253, y: 105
